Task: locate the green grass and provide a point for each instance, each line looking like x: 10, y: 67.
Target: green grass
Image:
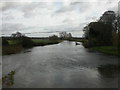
x: 13, y: 42
x: 107, y: 50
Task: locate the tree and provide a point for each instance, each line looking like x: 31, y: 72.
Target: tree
x: 86, y: 32
x: 69, y: 35
x: 108, y: 17
x: 65, y: 35
x: 100, y: 32
x: 17, y: 34
x: 53, y: 37
x: 26, y: 42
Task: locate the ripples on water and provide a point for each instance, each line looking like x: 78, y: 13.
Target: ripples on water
x: 61, y: 65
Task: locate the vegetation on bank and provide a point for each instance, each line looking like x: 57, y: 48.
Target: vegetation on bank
x: 8, y: 80
x: 104, y: 34
x: 76, y: 39
x: 42, y: 42
x: 109, y: 70
x: 107, y: 50
x: 17, y: 44
x: 6, y: 50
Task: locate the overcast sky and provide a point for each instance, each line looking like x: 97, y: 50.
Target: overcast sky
x: 38, y: 18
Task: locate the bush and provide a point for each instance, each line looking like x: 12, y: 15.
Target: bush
x: 116, y: 39
x: 5, y: 42
x: 27, y: 42
x: 54, y: 37
x: 86, y: 43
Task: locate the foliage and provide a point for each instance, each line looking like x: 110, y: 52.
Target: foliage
x: 26, y: 42
x: 100, y: 33
x: 53, y: 37
x: 5, y: 42
x: 8, y: 80
x: 23, y: 41
x: 65, y: 35
x: 116, y: 39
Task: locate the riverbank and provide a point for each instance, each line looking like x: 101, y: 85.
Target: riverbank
x: 76, y: 40
x: 11, y: 49
x: 43, y: 42
x: 15, y: 46
x: 107, y: 50
x: 111, y: 50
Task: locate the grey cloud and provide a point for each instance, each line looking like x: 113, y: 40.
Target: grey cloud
x: 10, y: 5
x: 25, y: 7
x: 80, y: 6
x: 8, y: 28
x: 7, y: 17
x: 28, y: 9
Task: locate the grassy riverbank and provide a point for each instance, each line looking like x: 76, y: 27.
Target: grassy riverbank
x: 11, y: 49
x: 107, y: 50
x: 43, y: 42
x: 76, y: 40
x: 15, y: 46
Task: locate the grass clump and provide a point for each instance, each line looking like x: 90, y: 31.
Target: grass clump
x: 8, y: 80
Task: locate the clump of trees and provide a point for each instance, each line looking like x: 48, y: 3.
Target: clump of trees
x: 53, y: 37
x: 65, y: 35
x: 100, y: 33
x: 22, y: 40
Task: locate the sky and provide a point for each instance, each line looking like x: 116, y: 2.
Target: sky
x: 43, y: 18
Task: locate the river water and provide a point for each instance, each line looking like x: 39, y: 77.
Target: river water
x: 62, y: 65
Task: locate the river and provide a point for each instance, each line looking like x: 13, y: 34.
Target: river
x: 62, y: 65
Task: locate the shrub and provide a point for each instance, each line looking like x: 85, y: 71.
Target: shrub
x: 27, y: 42
x: 5, y: 42
x: 54, y: 37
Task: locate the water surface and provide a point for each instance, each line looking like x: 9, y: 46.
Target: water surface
x: 62, y: 65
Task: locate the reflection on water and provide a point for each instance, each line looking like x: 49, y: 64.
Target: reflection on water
x: 64, y: 65
x: 109, y: 70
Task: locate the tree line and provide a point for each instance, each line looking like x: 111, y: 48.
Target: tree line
x: 104, y: 32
